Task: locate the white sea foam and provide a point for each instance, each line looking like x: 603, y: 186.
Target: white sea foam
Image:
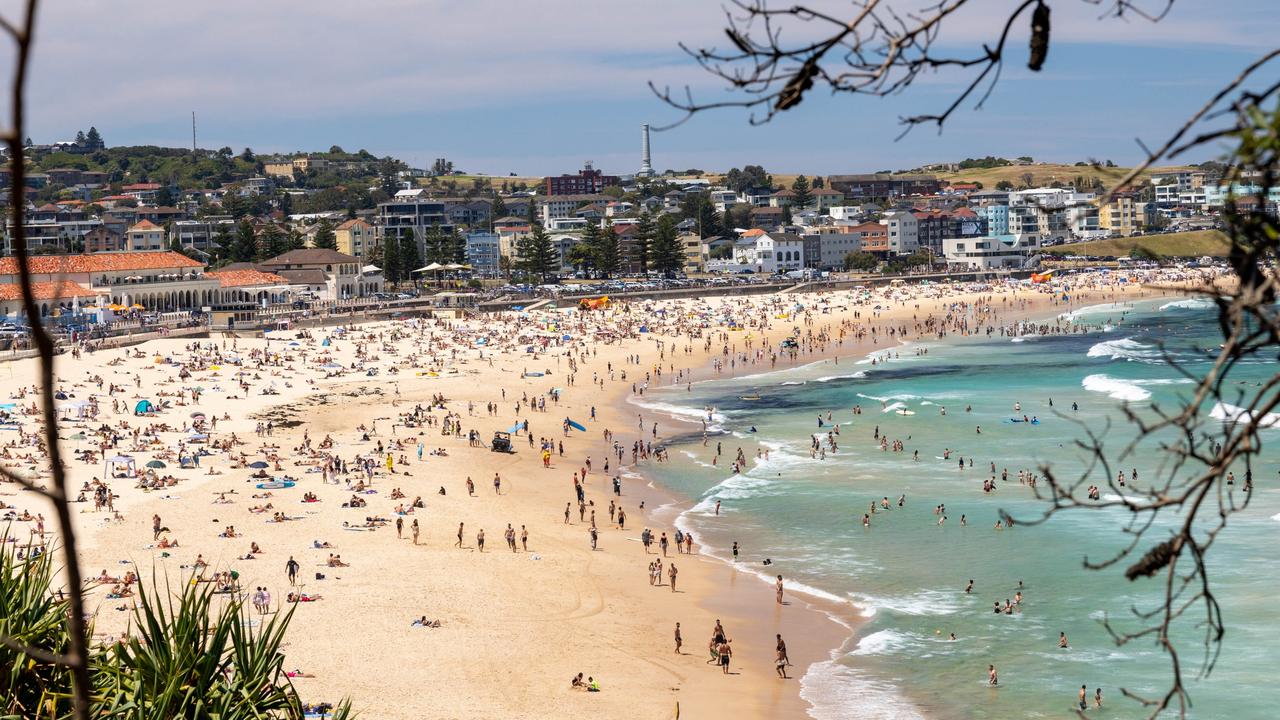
x: 1127, y: 390
x: 885, y: 642
x: 894, y: 406
x: 1231, y: 413
x: 1126, y: 349
x: 924, y: 602
x: 832, y: 690
x: 1134, y: 390
x: 1189, y: 304
x: 681, y: 412
x: 1096, y: 309
x: 1112, y: 497
x: 1018, y: 340
x: 850, y: 376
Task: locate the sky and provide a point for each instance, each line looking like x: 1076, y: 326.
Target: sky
x: 535, y: 88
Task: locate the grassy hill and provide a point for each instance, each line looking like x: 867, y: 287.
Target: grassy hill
x: 1045, y: 174
x: 1188, y: 244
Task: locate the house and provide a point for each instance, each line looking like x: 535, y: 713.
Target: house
x: 782, y: 198
x: 334, y: 275
x: 285, y: 168
x: 142, y: 192
x: 990, y: 252
x: 100, y: 239
x: 766, y: 217
x: 357, y: 238
x: 145, y: 235
x: 825, y: 198
x: 777, y: 252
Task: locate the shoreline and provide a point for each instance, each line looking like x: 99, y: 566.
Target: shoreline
x: 822, y: 610
x: 588, y: 610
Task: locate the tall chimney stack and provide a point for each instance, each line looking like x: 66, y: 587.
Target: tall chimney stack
x: 646, y: 167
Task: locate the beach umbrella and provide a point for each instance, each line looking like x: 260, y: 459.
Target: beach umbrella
x: 155, y: 464
x: 258, y: 465
x: 197, y: 414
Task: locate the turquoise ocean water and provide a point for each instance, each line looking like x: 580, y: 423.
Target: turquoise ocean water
x: 907, y: 575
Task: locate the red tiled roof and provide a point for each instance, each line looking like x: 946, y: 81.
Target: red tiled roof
x: 63, y: 290
x: 99, y: 262
x: 246, y: 277
x: 145, y: 225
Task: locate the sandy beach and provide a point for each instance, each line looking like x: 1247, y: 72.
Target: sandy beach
x: 351, y: 415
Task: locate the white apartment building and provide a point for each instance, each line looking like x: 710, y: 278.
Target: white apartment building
x: 987, y: 253
x: 903, y: 231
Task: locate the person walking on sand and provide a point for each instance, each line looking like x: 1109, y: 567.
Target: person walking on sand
x: 671, y: 574
x: 679, y: 639
x: 480, y: 540
x: 779, y: 589
x: 725, y: 652
x: 781, y: 665
x: 459, y: 543
x: 782, y: 649
x: 291, y: 568
x: 415, y: 531
x: 399, y: 527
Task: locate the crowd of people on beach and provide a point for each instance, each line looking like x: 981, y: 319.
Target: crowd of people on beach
x: 141, y: 437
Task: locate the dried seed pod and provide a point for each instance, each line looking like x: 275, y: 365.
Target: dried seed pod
x: 795, y: 89
x: 1155, y: 559
x: 1039, y: 37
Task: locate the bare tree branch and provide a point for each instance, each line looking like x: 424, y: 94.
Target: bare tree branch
x: 77, y: 660
x: 879, y: 51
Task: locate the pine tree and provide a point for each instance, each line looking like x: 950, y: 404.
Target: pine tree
x: 531, y: 211
x: 457, y: 247
x: 589, y: 256
x: 609, y: 252
x: 275, y: 240
x: 538, y: 256
x: 410, y: 256
x: 222, y: 243
x: 324, y: 236
x: 803, y: 196
x: 93, y: 139
x: 391, y: 260
x: 245, y: 246
x: 435, y: 245
x: 645, y: 231
x: 499, y: 207
x: 666, y: 255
